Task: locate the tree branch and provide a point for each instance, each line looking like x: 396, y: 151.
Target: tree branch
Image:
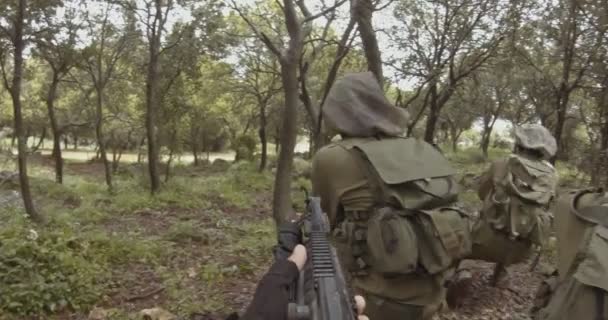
x: 310, y: 18
x: 253, y: 28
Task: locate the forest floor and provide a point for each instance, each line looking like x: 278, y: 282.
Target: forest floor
x: 196, y: 249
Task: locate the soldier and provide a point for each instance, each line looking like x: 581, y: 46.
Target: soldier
x: 580, y: 289
x: 516, y: 194
x: 385, y: 198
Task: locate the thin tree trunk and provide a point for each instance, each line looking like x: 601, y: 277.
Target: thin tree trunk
x: 100, y: 138
x: 169, y: 161
x: 28, y: 134
x: 603, y: 156
x: 433, y: 116
x: 24, y: 182
x: 363, y: 11
x: 485, y: 136
x: 171, y: 153
x: 41, y: 141
x: 263, y: 140
x: 152, y: 100
x: 141, y: 144
x: 50, y: 101
x: 75, y: 142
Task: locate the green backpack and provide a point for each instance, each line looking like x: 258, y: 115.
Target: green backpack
x: 581, y: 286
x: 412, y: 227
x: 524, y: 189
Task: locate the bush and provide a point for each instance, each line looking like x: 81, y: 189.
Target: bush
x: 46, y: 272
x: 245, y: 148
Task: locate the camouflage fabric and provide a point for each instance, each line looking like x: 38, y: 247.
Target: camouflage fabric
x: 581, y: 288
x: 356, y: 107
x: 536, y: 137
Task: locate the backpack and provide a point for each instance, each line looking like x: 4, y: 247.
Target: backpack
x: 581, y: 285
x: 518, y: 205
x: 412, y: 227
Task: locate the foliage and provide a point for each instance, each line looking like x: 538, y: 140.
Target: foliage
x: 47, y: 270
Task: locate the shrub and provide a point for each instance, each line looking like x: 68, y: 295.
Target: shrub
x: 244, y: 147
x: 46, y: 271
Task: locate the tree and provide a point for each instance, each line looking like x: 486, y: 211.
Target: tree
x: 154, y: 15
x: 260, y: 80
x: 57, y: 47
x: 573, y: 42
x: 100, y: 59
x: 446, y: 41
x: 297, y: 31
x: 362, y: 11
x: 16, y: 27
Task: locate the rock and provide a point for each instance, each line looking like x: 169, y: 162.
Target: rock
x: 98, y: 314
x: 157, y: 314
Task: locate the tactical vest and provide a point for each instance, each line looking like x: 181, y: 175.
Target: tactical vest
x: 581, y: 286
x: 410, y: 227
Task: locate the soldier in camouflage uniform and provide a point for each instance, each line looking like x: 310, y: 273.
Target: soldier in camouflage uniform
x: 580, y: 288
x: 516, y: 194
x: 383, y: 195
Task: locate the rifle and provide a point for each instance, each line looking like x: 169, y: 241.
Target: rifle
x: 320, y: 292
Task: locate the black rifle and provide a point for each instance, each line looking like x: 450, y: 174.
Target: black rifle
x: 321, y: 292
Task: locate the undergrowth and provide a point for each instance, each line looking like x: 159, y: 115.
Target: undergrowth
x: 66, y: 265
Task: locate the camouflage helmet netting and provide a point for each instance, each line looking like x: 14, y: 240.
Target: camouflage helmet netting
x: 536, y: 137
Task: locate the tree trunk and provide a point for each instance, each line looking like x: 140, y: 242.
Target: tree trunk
x: 562, y: 108
x: 100, y: 138
x: 28, y: 134
x: 363, y: 11
x: 281, y: 202
x: 141, y: 144
x: 75, y: 142
x: 263, y: 140
x: 173, y: 142
x: 603, y: 156
x: 433, y: 116
x: 152, y: 100
x: 15, y: 91
x: 485, y: 136
x: 169, y: 161
x: 282, y: 205
x: 41, y: 141
x: 50, y: 101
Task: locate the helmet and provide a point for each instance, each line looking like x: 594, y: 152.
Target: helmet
x: 536, y: 137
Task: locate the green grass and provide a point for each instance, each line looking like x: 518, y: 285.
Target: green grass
x: 91, y: 234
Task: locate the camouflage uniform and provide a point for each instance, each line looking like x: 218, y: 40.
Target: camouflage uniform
x: 580, y: 290
x: 370, y: 126
x: 516, y: 194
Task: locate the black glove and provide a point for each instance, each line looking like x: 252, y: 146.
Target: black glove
x: 273, y: 292
x: 290, y: 235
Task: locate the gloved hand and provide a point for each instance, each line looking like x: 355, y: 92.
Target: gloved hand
x: 272, y: 294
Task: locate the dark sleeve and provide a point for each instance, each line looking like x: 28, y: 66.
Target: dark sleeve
x: 272, y: 294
